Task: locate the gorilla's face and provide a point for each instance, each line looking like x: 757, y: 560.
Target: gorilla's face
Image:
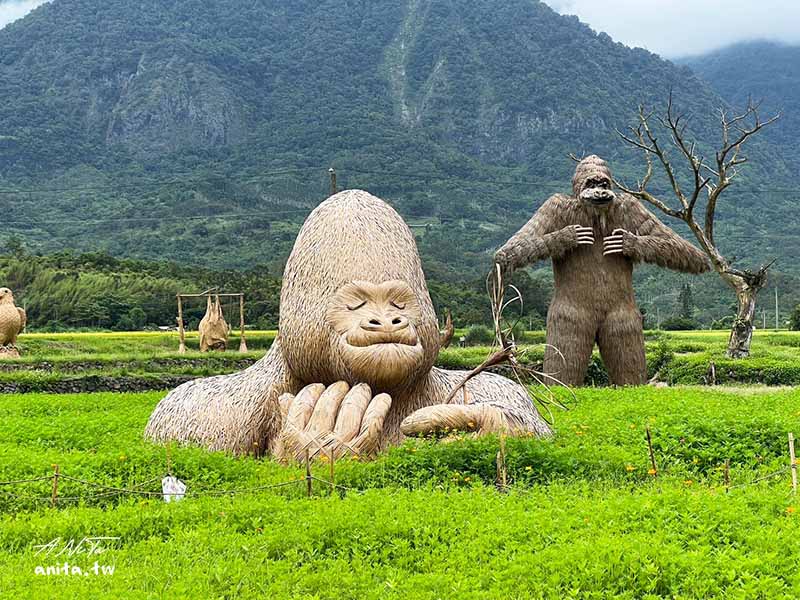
x: 597, y: 190
x: 376, y: 326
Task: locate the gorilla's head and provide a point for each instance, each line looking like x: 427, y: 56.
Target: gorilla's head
x: 592, y: 182
x: 354, y: 304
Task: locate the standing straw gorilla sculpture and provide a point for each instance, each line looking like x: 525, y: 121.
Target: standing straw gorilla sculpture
x: 594, y: 299
x: 352, y: 367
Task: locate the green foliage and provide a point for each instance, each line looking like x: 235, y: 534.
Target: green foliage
x: 794, y: 321
x: 583, y: 517
x: 479, y: 335
x: 201, y: 132
x: 679, y: 323
x: 68, y: 291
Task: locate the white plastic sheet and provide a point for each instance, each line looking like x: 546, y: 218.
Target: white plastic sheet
x: 173, y: 488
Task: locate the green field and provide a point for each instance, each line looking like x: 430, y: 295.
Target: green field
x: 583, y: 517
x: 150, y: 360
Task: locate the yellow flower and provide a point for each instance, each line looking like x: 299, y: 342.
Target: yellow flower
x: 467, y: 478
x: 651, y: 471
x: 790, y: 510
x: 122, y: 457
x: 633, y: 425
x: 630, y: 468
x: 688, y: 482
x: 529, y: 468
x: 695, y: 460
x: 578, y: 433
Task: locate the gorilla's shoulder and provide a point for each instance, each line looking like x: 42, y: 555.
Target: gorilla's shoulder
x: 629, y: 202
x: 559, y: 200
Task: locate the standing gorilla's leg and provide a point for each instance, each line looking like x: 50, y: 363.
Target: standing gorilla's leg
x: 570, y: 340
x: 621, y: 344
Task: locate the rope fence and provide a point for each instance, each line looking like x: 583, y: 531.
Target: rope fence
x: 108, y: 491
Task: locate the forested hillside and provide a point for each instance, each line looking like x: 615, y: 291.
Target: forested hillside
x: 201, y: 132
x: 767, y: 72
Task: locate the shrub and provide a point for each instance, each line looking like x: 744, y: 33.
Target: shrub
x: 679, y: 324
x: 479, y: 335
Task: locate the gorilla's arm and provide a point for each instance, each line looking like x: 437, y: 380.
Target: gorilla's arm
x: 490, y: 404
x: 544, y: 236
x: 646, y: 239
x: 237, y: 413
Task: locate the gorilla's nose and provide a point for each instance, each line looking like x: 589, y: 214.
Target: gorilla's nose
x: 385, y: 323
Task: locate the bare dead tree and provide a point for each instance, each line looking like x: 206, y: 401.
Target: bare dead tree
x: 709, y: 179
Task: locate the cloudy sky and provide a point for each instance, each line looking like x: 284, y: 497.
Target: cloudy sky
x: 676, y: 28
x: 671, y: 28
x: 11, y: 10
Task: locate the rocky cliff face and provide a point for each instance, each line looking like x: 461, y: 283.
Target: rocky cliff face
x: 171, y: 103
x: 507, y: 82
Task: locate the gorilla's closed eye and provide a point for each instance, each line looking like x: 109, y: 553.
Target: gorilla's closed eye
x: 398, y: 305
x: 357, y: 306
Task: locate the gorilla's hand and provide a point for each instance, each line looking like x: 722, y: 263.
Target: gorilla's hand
x: 614, y: 243
x: 336, y: 419
x: 585, y: 235
x: 440, y: 418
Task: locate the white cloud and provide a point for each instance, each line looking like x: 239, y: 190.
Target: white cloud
x: 676, y: 28
x: 11, y: 10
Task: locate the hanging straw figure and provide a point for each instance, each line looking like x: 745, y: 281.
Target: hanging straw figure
x: 213, y: 328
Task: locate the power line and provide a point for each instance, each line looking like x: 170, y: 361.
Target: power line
x: 158, y: 219
x: 200, y: 179
x: 192, y: 179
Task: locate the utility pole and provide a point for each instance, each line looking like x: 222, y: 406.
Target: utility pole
x: 332, y: 173
x: 764, y: 317
x: 776, y: 308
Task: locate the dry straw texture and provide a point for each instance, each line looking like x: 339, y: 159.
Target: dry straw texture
x: 213, y: 328
x: 352, y: 240
x: 12, y: 322
x: 594, y: 298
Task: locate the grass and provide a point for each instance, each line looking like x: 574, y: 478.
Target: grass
x: 53, y: 357
x: 583, y: 519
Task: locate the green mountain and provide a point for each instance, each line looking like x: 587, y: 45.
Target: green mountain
x: 768, y: 73
x: 201, y: 131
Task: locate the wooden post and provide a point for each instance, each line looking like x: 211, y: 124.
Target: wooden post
x: 727, y: 475
x: 242, y: 342
x: 332, y: 173
x: 652, y: 454
x: 794, y: 463
x: 308, y: 475
x: 181, y: 330
x: 333, y: 472
x: 502, y: 473
x: 54, y: 497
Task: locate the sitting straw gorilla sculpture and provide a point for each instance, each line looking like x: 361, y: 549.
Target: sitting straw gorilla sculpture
x: 352, y: 367
x: 594, y: 299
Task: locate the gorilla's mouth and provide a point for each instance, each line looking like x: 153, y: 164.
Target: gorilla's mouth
x: 598, y: 196
x: 383, y: 364
x: 365, y: 339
